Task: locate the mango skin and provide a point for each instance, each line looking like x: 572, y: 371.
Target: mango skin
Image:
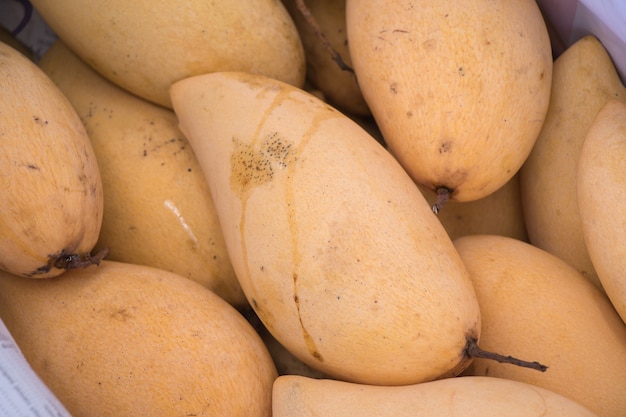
x: 144, y: 46
x: 601, y: 187
x: 334, y: 246
x: 51, y: 204
x: 536, y: 306
x: 131, y: 340
x: 584, y: 79
x: 459, y: 90
x: 451, y: 397
x: 158, y: 211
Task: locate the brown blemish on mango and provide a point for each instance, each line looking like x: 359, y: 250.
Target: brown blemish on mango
x: 252, y: 165
x: 308, y: 339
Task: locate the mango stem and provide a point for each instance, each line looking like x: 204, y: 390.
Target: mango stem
x: 79, y: 260
x: 443, y: 195
x: 311, y: 21
x: 473, y: 351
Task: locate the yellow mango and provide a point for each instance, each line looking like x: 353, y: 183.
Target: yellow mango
x: 601, y: 195
x: 158, y: 209
x: 469, y: 396
x: 130, y: 340
x: 334, y: 246
x: 51, y: 200
x: 459, y: 90
x: 585, y: 78
x: 144, y: 46
x: 538, y: 306
x: 334, y: 79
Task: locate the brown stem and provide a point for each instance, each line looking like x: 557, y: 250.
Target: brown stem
x: 79, y: 260
x: 473, y: 351
x: 443, y: 195
x: 310, y: 19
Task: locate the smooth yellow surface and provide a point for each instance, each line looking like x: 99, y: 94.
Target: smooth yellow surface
x: 158, y: 209
x: 537, y: 307
x: 334, y: 246
x: 601, y: 189
x: 460, y: 90
x: 128, y: 340
x: 295, y: 396
x: 144, y: 46
x: 584, y: 79
x: 51, y: 199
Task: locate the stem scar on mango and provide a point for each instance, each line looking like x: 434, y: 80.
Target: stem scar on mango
x: 443, y: 195
x: 80, y: 260
x: 65, y: 260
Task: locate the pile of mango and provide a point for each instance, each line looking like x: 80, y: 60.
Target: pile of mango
x: 320, y: 208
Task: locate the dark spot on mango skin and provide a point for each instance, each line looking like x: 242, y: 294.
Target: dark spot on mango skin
x: 121, y: 314
x: 252, y: 166
x: 445, y: 147
x: 40, y: 121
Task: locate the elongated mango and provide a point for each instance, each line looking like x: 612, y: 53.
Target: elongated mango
x: 601, y: 191
x: 144, y: 46
x: 130, y: 340
x: 539, y: 306
x: 158, y: 210
x: 460, y: 90
x: 332, y: 242
x: 585, y: 78
x: 51, y: 202
x: 297, y: 396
